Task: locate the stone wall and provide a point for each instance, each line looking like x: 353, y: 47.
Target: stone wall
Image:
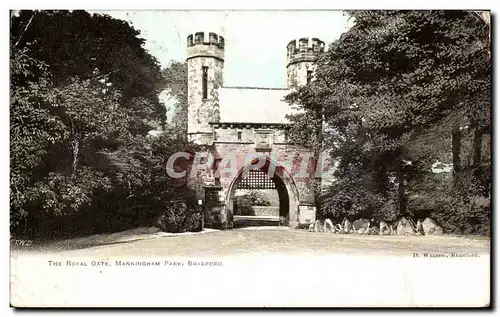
x: 245, y: 133
x: 236, y: 143
x: 203, y: 53
x: 289, y: 156
x: 214, y: 215
x: 297, y: 73
x: 301, y: 56
x: 307, y: 214
x: 226, y: 151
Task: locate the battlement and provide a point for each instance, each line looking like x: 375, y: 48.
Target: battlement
x: 203, y: 38
x: 304, y: 49
x: 203, y: 44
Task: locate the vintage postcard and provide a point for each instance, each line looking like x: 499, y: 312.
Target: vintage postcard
x: 177, y: 158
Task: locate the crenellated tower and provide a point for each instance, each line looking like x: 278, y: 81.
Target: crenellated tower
x: 205, y: 61
x: 300, y: 59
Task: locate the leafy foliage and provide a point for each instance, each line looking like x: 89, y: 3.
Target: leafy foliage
x: 181, y: 214
x: 176, y: 82
x: 243, y: 205
x: 84, y: 96
x: 391, y: 92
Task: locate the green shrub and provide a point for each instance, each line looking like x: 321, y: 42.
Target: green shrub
x: 180, y: 211
x: 353, y: 202
x: 258, y: 199
x: 243, y: 206
x: 179, y: 217
x: 458, y: 207
x: 459, y: 216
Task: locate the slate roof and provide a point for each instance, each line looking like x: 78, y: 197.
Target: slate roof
x: 253, y: 105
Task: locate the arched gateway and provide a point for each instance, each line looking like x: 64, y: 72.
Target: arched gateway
x: 243, y: 121
x: 284, y: 185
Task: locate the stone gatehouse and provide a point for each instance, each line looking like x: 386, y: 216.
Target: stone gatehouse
x: 245, y: 130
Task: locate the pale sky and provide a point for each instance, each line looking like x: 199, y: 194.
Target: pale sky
x: 255, y: 51
x: 255, y: 40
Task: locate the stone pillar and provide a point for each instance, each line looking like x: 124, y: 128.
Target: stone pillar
x: 307, y: 214
x: 215, y: 215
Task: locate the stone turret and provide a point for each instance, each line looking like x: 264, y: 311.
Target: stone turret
x: 205, y: 60
x: 300, y: 59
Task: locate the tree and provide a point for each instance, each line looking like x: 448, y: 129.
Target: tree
x: 388, y: 81
x: 34, y: 130
x: 83, y: 93
x: 175, y: 81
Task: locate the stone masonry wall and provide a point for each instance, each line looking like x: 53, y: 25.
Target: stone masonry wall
x: 288, y: 156
x: 297, y: 73
x: 204, y: 50
x: 200, y: 111
x: 237, y: 143
x: 301, y: 56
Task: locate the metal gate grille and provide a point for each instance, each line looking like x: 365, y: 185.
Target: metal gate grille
x: 256, y: 179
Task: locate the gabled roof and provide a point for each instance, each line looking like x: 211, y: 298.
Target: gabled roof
x: 253, y: 105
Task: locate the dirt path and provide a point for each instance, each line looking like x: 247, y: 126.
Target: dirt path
x: 269, y: 240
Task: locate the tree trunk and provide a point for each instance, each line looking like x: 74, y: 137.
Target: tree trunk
x: 318, y: 162
x: 401, y: 188
x: 476, y: 158
x: 456, y: 145
x: 75, y: 146
x: 476, y: 145
x: 380, y: 176
x: 25, y: 225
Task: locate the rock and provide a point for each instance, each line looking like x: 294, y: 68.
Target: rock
x: 347, y: 226
x: 311, y: 227
x: 361, y: 225
x: 338, y: 227
x: 420, y: 230
x: 431, y: 228
x: 392, y: 229
x: 373, y: 231
x: 386, y: 228
x: 383, y: 228
x: 317, y: 226
x: 405, y: 227
x: 329, y: 226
